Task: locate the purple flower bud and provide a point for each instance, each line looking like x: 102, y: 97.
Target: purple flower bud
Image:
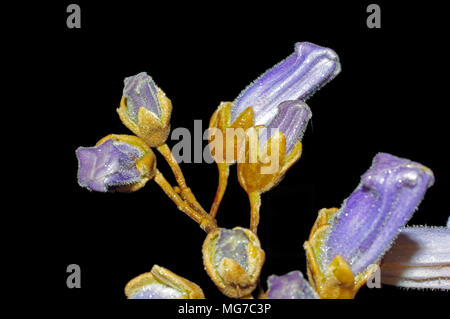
x: 290, y: 286
x: 140, y: 91
x: 296, y: 78
x: 233, y: 259
x: 161, y: 283
x: 291, y: 120
x: 233, y: 244
x: 113, y: 164
x: 157, y: 291
x: 369, y: 220
x: 419, y: 258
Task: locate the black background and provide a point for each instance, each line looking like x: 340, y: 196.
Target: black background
x: 388, y: 98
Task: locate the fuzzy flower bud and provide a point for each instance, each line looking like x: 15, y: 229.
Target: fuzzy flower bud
x: 233, y: 258
x: 289, y: 286
x: 161, y: 283
x: 145, y: 109
x: 120, y: 163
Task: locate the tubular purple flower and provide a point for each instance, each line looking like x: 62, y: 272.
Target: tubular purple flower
x: 291, y: 120
x: 370, y: 219
x: 345, y: 244
x: 419, y: 258
x: 289, y: 286
x: 296, y: 78
x: 117, y: 163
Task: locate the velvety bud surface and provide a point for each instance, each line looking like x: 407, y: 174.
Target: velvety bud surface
x: 369, y: 220
x: 290, y: 286
x: 140, y: 91
x: 157, y: 291
x: 295, y: 78
x: 105, y: 166
x: 292, y: 120
x: 233, y: 244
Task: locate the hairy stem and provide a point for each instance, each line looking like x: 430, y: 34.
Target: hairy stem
x: 185, y: 191
x: 224, y: 171
x: 206, y: 222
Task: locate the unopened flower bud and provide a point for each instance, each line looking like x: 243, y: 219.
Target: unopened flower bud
x: 161, y: 283
x: 120, y: 163
x: 145, y: 109
x: 269, y: 152
x: 289, y: 286
x: 233, y: 259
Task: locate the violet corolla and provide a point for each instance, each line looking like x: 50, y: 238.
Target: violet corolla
x: 120, y: 163
x: 269, y: 152
x: 161, y: 283
x: 289, y: 286
x: 297, y: 77
x: 145, y: 109
x: 345, y: 245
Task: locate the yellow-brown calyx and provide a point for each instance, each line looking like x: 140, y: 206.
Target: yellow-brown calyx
x: 153, y: 130
x: 260, y: 170
x: 336, y: 280
x: 228, y: 274
x: 146, y: 165
x: 158, y: 275
x: 225, y: 139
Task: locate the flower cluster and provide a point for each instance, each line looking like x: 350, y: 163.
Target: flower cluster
x: 262, y: 132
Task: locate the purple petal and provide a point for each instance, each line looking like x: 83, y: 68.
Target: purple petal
x: 296, y: 78
x: 419, y: 258
x: 157, y: 291
x: 290, y: 286
x: 291, y: 120
x: 233, y: 244
x: 108, y: 165
x: 140, y: 91
x: 370, y: 219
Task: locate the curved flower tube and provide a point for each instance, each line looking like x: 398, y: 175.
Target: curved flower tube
x: 297, y: 77
x: 121, y: 163
x: 289, y: 286
x: 161, y: 283
x: 419, y: 258
x: 345, y: 244
x: 233, y: 259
